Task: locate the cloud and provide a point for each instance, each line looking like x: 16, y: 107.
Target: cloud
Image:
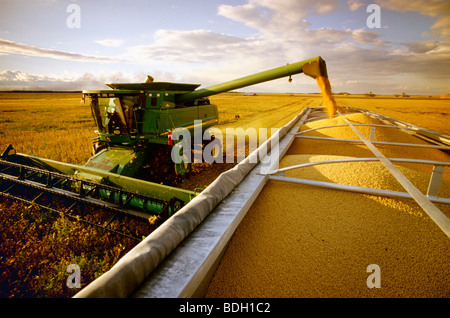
x: 194, y: 38
x: 354, y: 5
x: 275, y: 18
x: 434, y: 8
x: 17, y: 80
x: 427, y: 7
x: 285, y: 22
x: 11, y: 47
x: 193, y: 46
x: 110, y: 42
x: 365, y: 37
x: 283, y: 33
x: 358, y: 54
x: 423, y: 47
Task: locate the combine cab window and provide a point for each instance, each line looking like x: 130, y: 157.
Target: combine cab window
x: 117, y: 114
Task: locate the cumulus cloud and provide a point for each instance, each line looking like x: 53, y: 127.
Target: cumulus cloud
x: 366, y: 37
x: 423, y: 47
x: 434, y: 8
x: 206, y: 57
x: 285, y: 23
x: 354, y: 5
x: 358, y: 53
x: 193, y: 46
x: 275, y: 18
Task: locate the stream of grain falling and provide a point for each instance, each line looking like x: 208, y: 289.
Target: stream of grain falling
x: 328, y: 100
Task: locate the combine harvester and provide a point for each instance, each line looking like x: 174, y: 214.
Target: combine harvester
x: 135, y: 122
x: 264, y: 229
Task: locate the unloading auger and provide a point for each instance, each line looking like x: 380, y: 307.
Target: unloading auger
x: 134, y: 122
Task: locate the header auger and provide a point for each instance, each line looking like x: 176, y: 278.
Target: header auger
x: 134, y: 125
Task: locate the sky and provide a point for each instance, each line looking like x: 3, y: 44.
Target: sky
x: 404, y: 46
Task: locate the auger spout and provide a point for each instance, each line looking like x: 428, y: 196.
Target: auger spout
x: 314, y: 67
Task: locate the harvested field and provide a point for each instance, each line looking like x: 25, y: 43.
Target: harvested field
x: 304, y: 241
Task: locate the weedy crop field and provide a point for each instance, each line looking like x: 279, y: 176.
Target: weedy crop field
x: 36, y: 247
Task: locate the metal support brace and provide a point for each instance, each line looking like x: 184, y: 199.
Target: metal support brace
x: 346, y: 160
x: 435, y: 214
x: 372, y: 134
x: 350, y: 188
x: 377, y: 142
x: 435, y: 181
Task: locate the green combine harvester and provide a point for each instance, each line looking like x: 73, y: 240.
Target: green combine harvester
x: 134, y: 122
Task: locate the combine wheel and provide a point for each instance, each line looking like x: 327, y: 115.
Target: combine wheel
x: 161, y: 167
x: 98, y: 146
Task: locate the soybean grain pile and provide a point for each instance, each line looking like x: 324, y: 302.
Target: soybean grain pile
x: 303, y: 241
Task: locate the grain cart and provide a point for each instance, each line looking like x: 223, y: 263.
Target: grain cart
x: 134, y: 122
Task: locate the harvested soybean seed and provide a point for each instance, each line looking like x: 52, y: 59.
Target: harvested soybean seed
x: 303, y: 241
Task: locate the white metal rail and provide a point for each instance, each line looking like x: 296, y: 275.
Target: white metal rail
x: 371, y: 138
x: 425, y: 201
x: 433, y: 187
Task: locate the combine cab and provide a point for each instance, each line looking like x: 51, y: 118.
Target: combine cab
x: 135, y: 124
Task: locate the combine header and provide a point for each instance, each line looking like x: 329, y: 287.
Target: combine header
x: 134, y: 122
